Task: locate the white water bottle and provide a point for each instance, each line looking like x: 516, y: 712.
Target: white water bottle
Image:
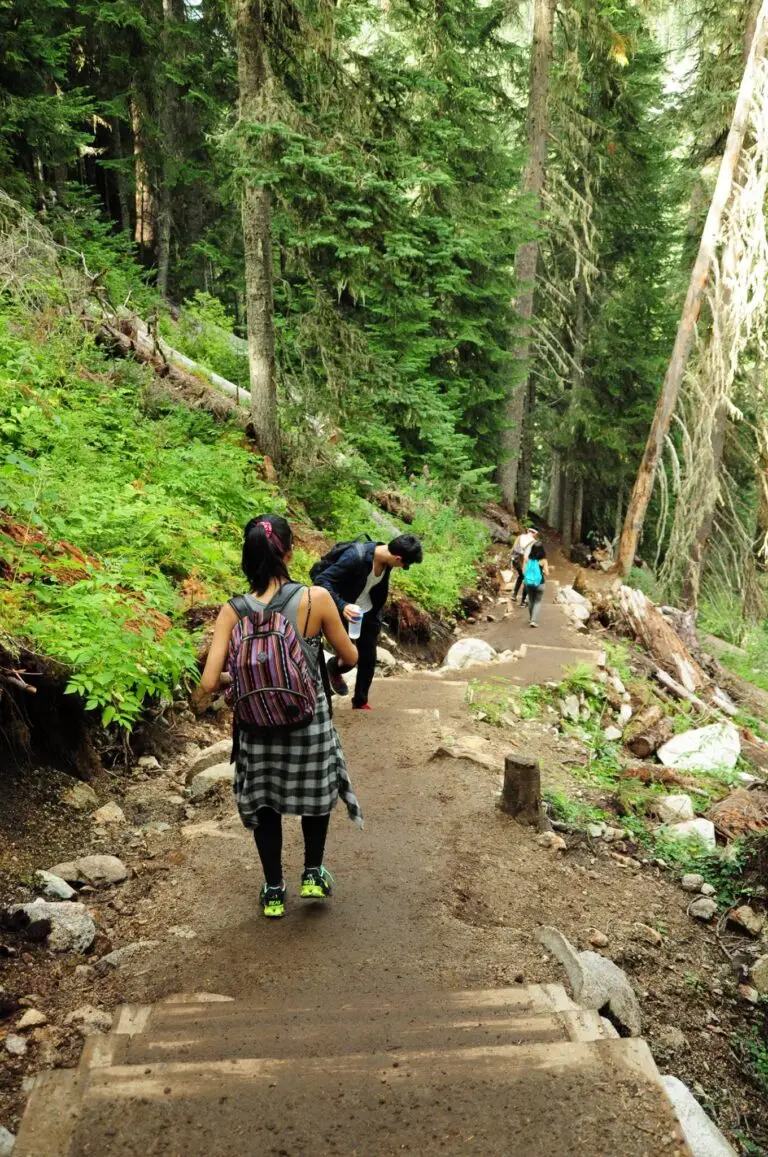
x: 356, y: 622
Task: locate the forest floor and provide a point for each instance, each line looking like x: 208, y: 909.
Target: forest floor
x: 440, y: 889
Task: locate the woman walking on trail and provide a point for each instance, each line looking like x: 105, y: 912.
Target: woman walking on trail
x: 535, y: 575
x: 271, y: 641
x: 521, y: 548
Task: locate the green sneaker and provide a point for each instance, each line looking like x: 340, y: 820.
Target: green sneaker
x: 316, y: 884
x: 273, y: 900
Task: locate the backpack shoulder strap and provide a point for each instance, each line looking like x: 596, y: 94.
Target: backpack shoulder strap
x: 244, y: 605
x: 284, y: 596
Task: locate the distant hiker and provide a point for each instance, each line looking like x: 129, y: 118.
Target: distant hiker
x: 520, y: 549
x: 357, y: 576
x: 535, y: 574
x: 287, y: 754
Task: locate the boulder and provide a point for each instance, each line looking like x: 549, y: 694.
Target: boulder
x: 98, y: 871
x: 747, y: 920
x: 89, y: 1020
x: 71, y: 927
x: 702, y: 1136
x: 700, y: 829
x: 596, y: 981
x: 692, y: 881
x: 206, y: 782
x: 217, y: 753
x: 468, y: 652
x: 759, y: 975
x: 32, y: 1018
x: 570, y: 708
x: 110, y: 813
x: 80, y: 796
x: 7, y: 1142
x: 385, y: 659
x: 703, y: 909
x: 675, y: 809
x: 121, y: 956
x: 53, y: 887
x: 569, y: 596
x: 703, y: 749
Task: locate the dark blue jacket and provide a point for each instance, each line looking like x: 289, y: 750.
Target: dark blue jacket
x: 346, y: 578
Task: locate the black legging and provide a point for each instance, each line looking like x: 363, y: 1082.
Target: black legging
x: 269, y: 841
x: 517, y: 563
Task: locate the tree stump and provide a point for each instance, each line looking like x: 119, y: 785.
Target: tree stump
x: 521, y: 794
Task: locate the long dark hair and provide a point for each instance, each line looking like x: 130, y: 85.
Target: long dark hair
x: 266, y: 541
x: 537, y: 551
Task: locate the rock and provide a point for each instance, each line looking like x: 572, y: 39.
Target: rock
x: 747, y: 920
x: 700, y: 829
x: 570, y: 597
x: 80, y: 796
x: 703, y: 749
x: 467, y: 652
x: 15, y: 1045
x: 595, y: 830
x: 598, y: 940
x: 648, y: 934
x: 704, y: 1139
x: 71, y: 927
x: 53, y: 887
x: 703, y: 909
x: 692, y: 882
x: 576, y: 613
x: 32, y: 1018
x: 612, y: 733
x: 471, y: 747
x: 110, y: 813
x: 149, y: 763
x: 217, y: 753
x: 669, y: 1036
x: 121, y: 956
x: 84, y: 971
x: 206, y: 782
x: 158, y: 826
x: 708, y: 890
x: 89, y: 1020
x: 7, y: 1142
x: 570, y: 708
x: 552, y: 841
x: 181, y: 932
x: 596, y: 981
x: 759, y: 975
x: 98, y: 871
x: 625, y: 714
x: 674, y: 809
x: 385, y: 659
x: 748, y: 993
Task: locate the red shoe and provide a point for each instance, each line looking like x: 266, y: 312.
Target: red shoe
x: 361, y: 707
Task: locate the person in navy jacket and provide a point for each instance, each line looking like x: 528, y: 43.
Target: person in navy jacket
x: 360, y: 577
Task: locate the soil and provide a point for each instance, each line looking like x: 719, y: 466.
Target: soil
x: 440, y: 891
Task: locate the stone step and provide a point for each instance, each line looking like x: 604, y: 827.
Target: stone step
x: 187, y: 1013
x: 592, y: 1099
x: 300, y: 1036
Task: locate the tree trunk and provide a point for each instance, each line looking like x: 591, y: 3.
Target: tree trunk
x: 619, y: 513
x: 254, y: 81
x: 578, y: 510
x: 566, y: 522
x: 554, y: 506
x: 761, y: 467
x: 528, y: 254
x: 710, y: 494
x: 521, y: 794
x: 660, y: 639
x: 145, y: 212
x: 173, y: 10
x: 122, y: 193
x: 648, y: 731
x: 525, y: 472
x: 641, y: 493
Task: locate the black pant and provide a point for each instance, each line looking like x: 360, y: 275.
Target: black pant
x: 517, y: 563
x: 269, y: 841
x: 366, y: 658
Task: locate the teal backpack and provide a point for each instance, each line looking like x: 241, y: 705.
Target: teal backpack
x: 532, y: 576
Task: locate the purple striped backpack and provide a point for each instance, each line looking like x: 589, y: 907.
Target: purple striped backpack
x: 272, y: 685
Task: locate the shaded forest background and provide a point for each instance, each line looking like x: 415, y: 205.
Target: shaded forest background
x: 390, y: 146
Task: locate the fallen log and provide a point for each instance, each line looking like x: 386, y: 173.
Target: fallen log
x: 654, y: 773
x: 679, y: 691
x: 749, y: 696
x: 650, y: 728
x: 660, y: 639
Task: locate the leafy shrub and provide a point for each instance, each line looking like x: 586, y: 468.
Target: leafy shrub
x: 645, y: 581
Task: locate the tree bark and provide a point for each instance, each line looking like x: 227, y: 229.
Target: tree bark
x: 527, y: 256
x: 660, y: 639
x: 145, y: 209
x: 641, y: 493
x: 554, y: 505
x: 648, y: 731
x: 173, y: 10
x: 566, y: 523
x: 578, y: 510
x: 525, y: 471
x: 691, y: 585
x: 122, y: 193
x: 521, y: 794
x: 254, y: 81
